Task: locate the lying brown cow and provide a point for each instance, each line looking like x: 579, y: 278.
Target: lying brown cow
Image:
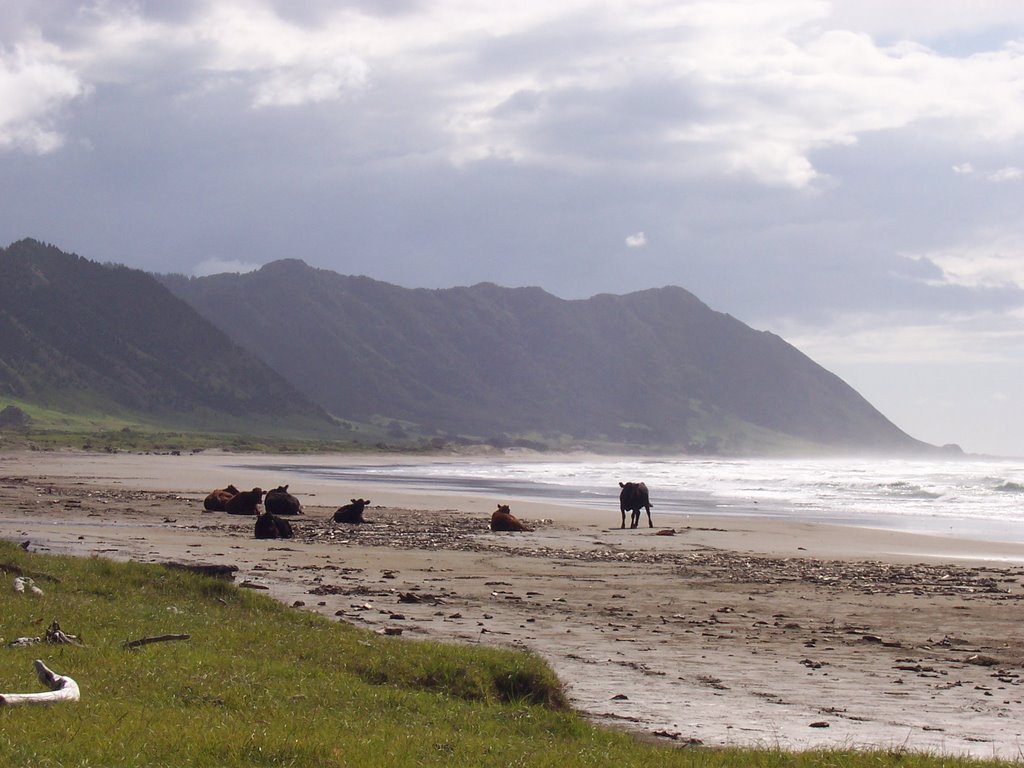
x: 270, y: 526
x: 503, y: 520
x: 217, y: 498
x: 245, y: 502
x: 351, y: 513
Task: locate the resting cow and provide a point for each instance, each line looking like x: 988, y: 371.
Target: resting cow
x: 217, y: 498
x: 270, y: 526
x: 351, y: 513
x: 633, y: 497
x: 245, y: 502
x: 503, y: 520
x: 280, y: 502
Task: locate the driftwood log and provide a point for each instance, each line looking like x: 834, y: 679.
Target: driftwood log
x: 153, y: 639
x: 23, y: 582
x: 215, y: 570
x: 62, y: 688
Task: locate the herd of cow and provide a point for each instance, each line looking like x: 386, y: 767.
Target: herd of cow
x: 278, y: 505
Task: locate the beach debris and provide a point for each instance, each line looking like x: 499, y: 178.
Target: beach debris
x: 620, y: 697
x: 689, y: 741
x: 154, y: 639
x: 712, y: 682
x: 666, y: 532
x: 62, y: 688
x: 24, y: 642
x: 819, y: 724
x: 23, y: 583
x: 426, y: 597
x: 54, y: 634
x: 981, y: 660
x: 215, y: 570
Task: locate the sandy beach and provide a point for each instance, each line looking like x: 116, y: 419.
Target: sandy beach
x: 726, y: 631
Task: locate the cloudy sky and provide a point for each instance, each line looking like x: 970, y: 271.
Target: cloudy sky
x: 846, y: 174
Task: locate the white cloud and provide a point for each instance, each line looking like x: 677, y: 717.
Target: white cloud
x: 219, y: 266
x: 749, y: 88
x: 990, y: 259
x: 963, y: 168
x: 909, y: 339
x: 1010, y: 173
x: 769, y: 84
x: 35, y: 86
x: 330, y: 81
x: 930, y: 19
x: 637, y: 240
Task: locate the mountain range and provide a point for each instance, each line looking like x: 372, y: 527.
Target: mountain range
x: 308, y: 349
x: 656, y: 367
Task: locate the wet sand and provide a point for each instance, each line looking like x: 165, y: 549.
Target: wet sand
x: 727, y: 631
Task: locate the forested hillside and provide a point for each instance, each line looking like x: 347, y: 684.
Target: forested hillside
x: 79, y: 335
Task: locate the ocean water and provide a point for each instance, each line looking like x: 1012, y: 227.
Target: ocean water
x: 982, y: 499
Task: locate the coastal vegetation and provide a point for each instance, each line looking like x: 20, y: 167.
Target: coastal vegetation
x: 260, y: 683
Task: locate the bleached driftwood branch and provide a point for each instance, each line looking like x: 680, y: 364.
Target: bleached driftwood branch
x: 24, y: 581
x: 57, y: 635
x: 154, y: 639
x: 62, y: 688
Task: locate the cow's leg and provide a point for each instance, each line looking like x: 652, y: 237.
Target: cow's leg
x: 635, y: 518
x: 623, y: 519
x: 650, y: 522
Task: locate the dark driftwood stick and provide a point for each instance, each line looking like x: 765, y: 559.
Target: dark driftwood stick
x: 62, y: 688
x: 207, y: 569
x: 154, y: 639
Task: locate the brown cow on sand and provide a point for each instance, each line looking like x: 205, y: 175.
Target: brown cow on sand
x: 270, y: 526
x: 218, y: 497
x: 245, y: 503
x: 633, y: 497
x: 351, y: 513
x: 503, y: 520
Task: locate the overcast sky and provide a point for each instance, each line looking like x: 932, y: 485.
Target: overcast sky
x: 848, y: 174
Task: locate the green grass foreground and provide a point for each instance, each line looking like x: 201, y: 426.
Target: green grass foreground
x: 259, y: 683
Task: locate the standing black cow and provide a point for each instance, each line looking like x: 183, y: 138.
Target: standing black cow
x: 633, y: 497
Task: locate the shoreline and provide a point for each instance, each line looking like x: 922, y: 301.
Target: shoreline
x: 732, y: 631
x: 511, y: 478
